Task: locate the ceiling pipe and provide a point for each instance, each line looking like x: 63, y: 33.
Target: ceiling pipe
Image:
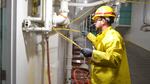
x: 90, y: 4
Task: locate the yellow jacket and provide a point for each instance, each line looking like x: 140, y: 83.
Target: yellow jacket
x: 109, y: 63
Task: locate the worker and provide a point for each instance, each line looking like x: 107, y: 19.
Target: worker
x: 108, y: 59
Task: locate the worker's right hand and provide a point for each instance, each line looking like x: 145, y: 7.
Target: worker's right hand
x: 84, y: 33
x: 87, y: 52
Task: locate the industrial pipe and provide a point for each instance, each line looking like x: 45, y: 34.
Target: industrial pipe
x: 38, y: 29
x: 48, y: 14
x: 89, y: 4
x: 45, y: 15
x: 69, y: 60
x: 62, y: 18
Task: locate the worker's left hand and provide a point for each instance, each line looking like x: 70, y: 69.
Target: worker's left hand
x: 87, y: 52
x: 84, y: 33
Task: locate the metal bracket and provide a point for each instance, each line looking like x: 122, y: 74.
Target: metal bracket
x: 2, y: 74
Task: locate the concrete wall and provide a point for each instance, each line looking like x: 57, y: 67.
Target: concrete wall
x: 139, y: 62
x: 138, y: 49
x: 135, y: 35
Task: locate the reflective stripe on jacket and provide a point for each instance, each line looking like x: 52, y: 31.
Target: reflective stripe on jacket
x: 109, y: 63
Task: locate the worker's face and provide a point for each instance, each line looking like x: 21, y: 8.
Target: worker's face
x: 98, y: 23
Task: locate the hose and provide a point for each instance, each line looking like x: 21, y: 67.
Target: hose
x: 84, y: 78
x: 68, y: 29
x: 66, y: 38
x: 81, y: 16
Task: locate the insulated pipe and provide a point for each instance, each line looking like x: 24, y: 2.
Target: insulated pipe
x: 34, y: 18
x: 69, y: 60
x: 48, y: 14
x: 89, y: 4
x: 62, y: 18
x: 64, y: 6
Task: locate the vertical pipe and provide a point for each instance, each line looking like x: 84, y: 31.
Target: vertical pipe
x: 69, y: 60
x: 43, y: 59
x: 48, y: 61
x: 43, y: 9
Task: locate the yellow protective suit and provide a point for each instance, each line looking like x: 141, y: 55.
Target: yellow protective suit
x: 109, y: 63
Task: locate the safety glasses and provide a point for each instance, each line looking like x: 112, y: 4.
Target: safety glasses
x: 97, y: 19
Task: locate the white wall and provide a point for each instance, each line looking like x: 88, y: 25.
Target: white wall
x: 134, y: 35
x: 21, y: 59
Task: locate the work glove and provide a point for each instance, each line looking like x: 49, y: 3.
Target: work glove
x: 87, y: 52
x: 84, y: 33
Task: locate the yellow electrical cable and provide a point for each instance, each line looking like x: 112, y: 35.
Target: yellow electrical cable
x: 66, y: 38
x: 73, y: 30
x: 80, y: 16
